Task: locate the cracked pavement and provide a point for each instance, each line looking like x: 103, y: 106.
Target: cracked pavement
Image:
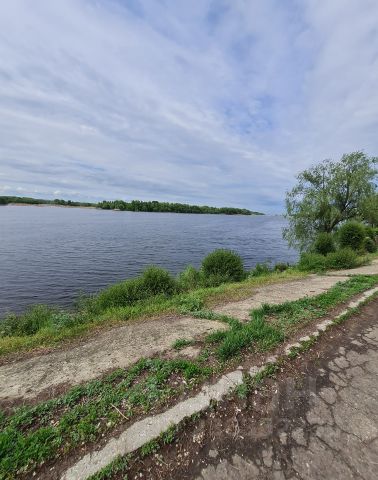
x: 325, y: 428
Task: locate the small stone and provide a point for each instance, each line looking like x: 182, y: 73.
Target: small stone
x: 268, y: 456
x: 298, y: 436
x: 328, y: 395
x: 341, y: 362
x: 283, y: 438
x: 337, y: 380
x: 213, y: 453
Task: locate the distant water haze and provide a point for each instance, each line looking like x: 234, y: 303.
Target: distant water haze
x: 50, y: 254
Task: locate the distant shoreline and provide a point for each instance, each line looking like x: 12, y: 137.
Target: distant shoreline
x: 46, y: 205
x: 13, y: 204
x: 132, y: 206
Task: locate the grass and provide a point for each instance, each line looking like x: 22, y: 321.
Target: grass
x: 32, y: 435
x: 35, y: 434
x: 181, y: 343
x: 52, y: 333
x: 271, y: 324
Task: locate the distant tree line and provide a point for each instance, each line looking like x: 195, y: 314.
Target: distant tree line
x: 155, y: 206
x: 132, y: 206
x: 5, y: 200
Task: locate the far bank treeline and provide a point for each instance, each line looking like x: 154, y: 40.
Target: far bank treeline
x: 132, y: 206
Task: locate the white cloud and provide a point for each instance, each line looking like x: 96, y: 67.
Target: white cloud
x: 217, y: 102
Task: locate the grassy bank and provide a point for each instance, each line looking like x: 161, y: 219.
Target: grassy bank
x: 51, y: 332
x: 155, y: 293
x: 33, y: 435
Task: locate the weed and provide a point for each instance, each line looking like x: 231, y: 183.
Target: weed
x: 181, y: 343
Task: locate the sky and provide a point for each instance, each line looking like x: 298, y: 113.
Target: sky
x: 217, y: 102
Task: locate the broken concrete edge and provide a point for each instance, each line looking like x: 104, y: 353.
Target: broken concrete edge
x: 305, y: 342
x: 152, y: 428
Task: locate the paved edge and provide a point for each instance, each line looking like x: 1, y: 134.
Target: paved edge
x: 150, y: 428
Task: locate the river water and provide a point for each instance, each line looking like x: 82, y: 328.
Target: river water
x: 50, y: 254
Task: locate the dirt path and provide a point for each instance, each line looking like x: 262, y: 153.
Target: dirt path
x: 318, y: 420
x: 279, y: 293
x: 119, y: 347
x: 290, y: 291
x: 45, y: 375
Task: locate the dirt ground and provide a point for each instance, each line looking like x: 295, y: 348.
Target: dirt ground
x: 317, y: 420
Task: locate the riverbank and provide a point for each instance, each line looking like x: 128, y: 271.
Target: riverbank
x: 79, y: 425
x: 154, y: 293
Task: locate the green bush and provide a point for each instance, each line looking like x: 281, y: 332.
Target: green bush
x: 312, y: 262
x: 343, y: 258
x: 370, y: 245
x: 281, y: 267
x: 189, y: 279
x: 324, y: 243
x: 28, y: 323
x: 370, y: 232
x: 260, y: 269
x: 158, y: 281
x: 352, y: 234
x: 154, y: 281
x: 119, y: 295
x: 223, y: 265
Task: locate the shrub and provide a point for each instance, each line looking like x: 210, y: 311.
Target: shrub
x: 343, y: 258
x: 324, y: 243
x: 281, y: 267
x: 370, y: 245
x: 260, y: 269
x: 223, y: 265
x: 157, y: 281
x: 370, y: 232
x: 312, y: 262
x: 28, y: 323
x: 189, y: 279
x: 352, y: 234
x: 119, y: 295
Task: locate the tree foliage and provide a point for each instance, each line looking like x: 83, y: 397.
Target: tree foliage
x: 328, y: 194
x: 155, y: 206
x: 369, y: 210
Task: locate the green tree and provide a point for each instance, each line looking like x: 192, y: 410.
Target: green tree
x: 327, y: 195
x: 369, y: 210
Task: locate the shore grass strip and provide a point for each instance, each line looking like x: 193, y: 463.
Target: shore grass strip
x: 56, y: 335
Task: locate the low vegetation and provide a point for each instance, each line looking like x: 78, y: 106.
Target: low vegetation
x: 221, y: 277
x: 271, y: 324
x: 30, y: 436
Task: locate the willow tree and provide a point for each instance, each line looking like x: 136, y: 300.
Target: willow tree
x: 327, y: 195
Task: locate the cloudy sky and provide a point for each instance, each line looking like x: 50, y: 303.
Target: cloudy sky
x: 216, y: 102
